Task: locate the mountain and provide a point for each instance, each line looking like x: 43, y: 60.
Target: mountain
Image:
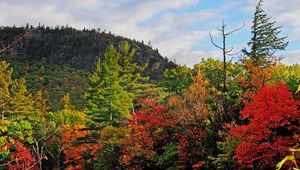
x: 75, y: 48
x: 59, y: 60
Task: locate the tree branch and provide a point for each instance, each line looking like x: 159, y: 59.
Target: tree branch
x: 235, y: 30
x: 212, y: 41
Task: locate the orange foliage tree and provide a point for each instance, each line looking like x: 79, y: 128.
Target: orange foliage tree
x: 192, y: 113
x: 256, y: 77
x: 74, y: 151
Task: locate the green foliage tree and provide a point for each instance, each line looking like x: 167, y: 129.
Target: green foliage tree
x: 212, y: 71
x: 290, y: 74
x: 5, y: 83
x: 176, y: 79
x: 16, y: 109
x: 265, y: 39
x: 130, y: 73
x: 114, y: 85
x: 41, y: 107
x: 22, y: 103
x: 16, y: 102
x: 106, y: 99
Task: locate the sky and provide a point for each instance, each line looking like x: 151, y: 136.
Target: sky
x: 179, y: 29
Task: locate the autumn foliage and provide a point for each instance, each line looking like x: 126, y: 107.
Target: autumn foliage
x: 192, y: 112
x: 75, y: 151
x: 21, y: 158
x: 271, y: 128
x: 126, y: 122
x: 149, y: 133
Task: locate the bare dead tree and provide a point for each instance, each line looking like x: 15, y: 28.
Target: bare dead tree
x: 225, y: 52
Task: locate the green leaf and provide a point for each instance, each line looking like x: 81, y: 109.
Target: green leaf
x: 295, y: 150
x: 298, y: 89
x: 287, y: 158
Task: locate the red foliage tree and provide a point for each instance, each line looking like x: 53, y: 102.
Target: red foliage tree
x: 74, y: 152
x: 272, y: 128
x: 21, y: 158
x: 149, y: 134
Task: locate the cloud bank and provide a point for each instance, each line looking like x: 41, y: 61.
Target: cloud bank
x: 177, y: 28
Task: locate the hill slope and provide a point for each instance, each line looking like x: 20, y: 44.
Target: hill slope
x: 59, y: 60
x: 78, y: 49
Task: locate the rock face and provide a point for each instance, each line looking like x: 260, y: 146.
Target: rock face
x: 78, y: 49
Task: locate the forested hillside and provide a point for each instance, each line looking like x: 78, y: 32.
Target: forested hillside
x: 59, y: 60
x: 87, y: 99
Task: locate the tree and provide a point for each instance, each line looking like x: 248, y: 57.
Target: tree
x: 21, y: 158
x: 5, y: 83
x: 131, y: 79
x: 55, y: 132
x: 107, y: 101
x: 271, y: 126
x: 212, y: 70
x: 75, y: 151
x: 256, y: 77
x: 130, y: 73
x: 265, y: 39
x: 225, y: 52
x: 114, y: 85
x: 150, y: 135
x: 40, y: 105
x: 192, y: 118
x: 17, y: 40
x: 176, y: 79
x: 22, y: 103
x: 111, y: 139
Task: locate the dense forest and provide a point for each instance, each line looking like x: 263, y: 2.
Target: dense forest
x: 87, y: 99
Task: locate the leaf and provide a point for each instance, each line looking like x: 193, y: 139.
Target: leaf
x: 298, y: 89
x: 295, y: 150
x: 287, y: 158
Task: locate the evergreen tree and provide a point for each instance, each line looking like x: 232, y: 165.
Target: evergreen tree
x: 130, y: 73
x: 5, y: 83
x: 265, y: 41
x: 22, y: 101
x: 66, y: 100
x: 114, y: 85
x: 107, y: 100
x: 41, y: 107
x: 15, y: 102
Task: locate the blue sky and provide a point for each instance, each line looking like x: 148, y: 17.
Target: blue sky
x: 177, y: 28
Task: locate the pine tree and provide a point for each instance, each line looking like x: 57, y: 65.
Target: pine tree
x: 107, y: 101
x: 265, y: 41
x: 114, y: 85
x: 130, y: 73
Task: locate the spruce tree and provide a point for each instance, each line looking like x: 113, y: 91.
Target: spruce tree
x: 265, y: 39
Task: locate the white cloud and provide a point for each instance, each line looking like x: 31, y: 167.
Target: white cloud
x: 153, y: 20
x: 190, y: 58
x: 291, y: 57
